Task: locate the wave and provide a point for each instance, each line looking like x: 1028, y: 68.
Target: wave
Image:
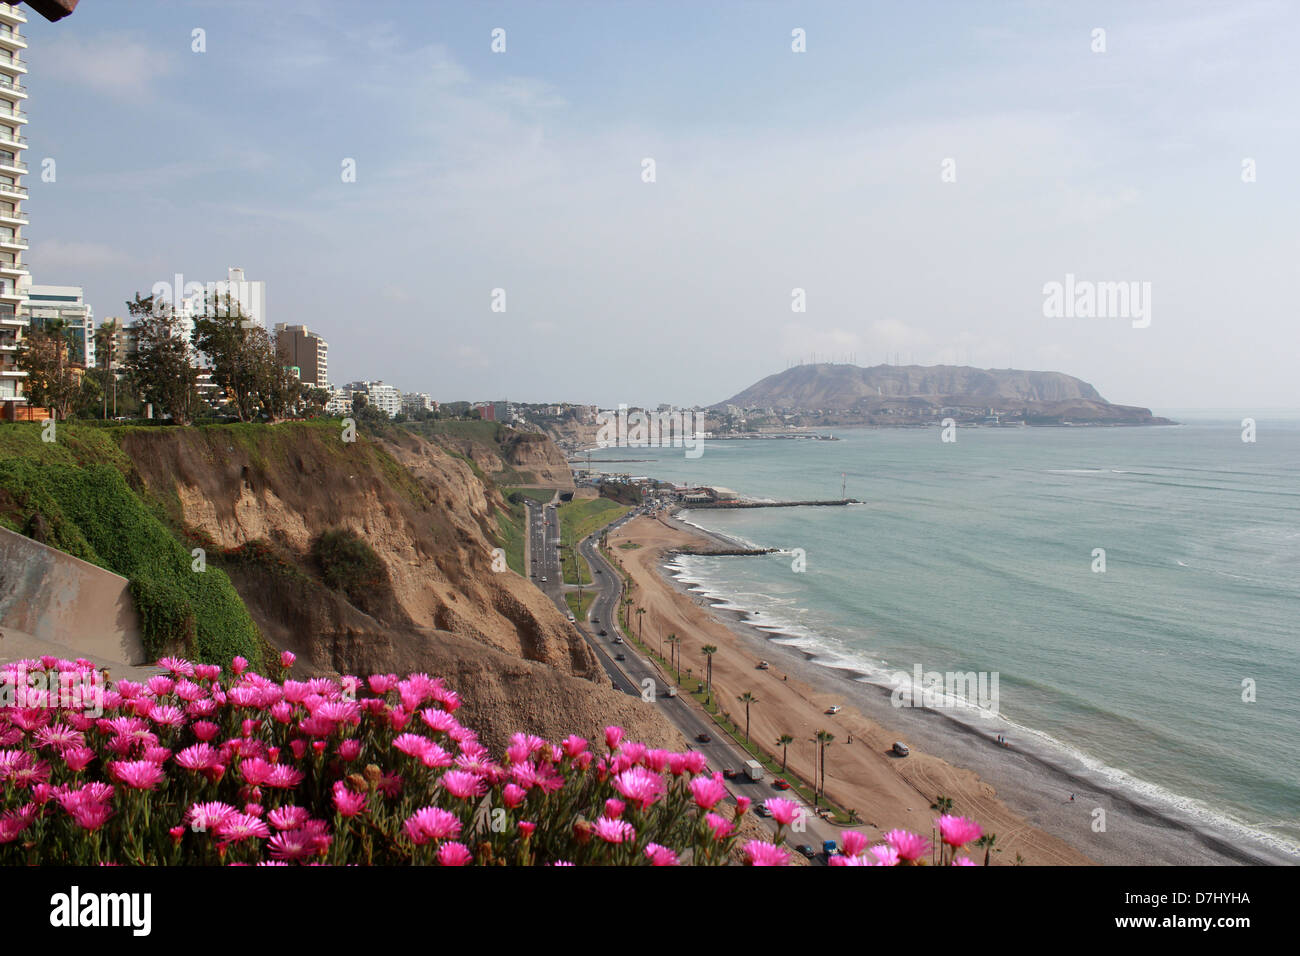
x: 824, y: 651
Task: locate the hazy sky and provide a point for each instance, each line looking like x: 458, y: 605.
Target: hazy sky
x: 775, y: 170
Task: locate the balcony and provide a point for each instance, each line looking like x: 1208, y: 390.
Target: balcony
x: 9, y: 13
x: 12, y: 242
x: 12, y: 64
x: 13, y: 189
x: 10, y: 164
x: 11, y: 87
x: 12, y: 267
x: 11, y: 39
x: 12, y: 115
x: 7, y: 135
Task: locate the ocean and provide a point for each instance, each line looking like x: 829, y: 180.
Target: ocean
x: 1172, y: 674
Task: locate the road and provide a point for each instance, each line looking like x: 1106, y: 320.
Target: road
x: 641, y: 677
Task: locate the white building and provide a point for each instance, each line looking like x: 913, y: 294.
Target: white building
x: 65, y: 303
x: 386, y: 398
x: 413, y: 402
x: 13, y: 274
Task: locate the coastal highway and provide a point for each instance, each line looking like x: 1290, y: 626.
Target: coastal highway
x: 639, y: 676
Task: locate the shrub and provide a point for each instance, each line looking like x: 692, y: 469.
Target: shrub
x: 193, y: 768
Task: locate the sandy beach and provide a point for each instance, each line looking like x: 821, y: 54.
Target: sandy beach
x: 1012, y: 792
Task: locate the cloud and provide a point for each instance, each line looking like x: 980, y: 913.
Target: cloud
x: 116, y: 65
x: 51, y: 255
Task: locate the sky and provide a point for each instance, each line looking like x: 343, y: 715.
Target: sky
x: 922, y: 171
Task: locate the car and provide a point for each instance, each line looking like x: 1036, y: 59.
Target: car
x: 729, y: 773
x: 620, y: 657
x: 833, y: 709
x: 900, y: 748
x: 762, y: 810
x: 618, y: 640
x: 704, y: 738
x: 781, y: 783
x: 805, y: 850
x: 595, y: 620
x: 599, y: 571
x: 602, y: 632
x: 763, y: 665
x: 543, y: 579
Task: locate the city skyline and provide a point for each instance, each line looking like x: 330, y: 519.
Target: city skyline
x: 903, y: 174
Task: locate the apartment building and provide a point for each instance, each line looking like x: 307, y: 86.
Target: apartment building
x: 48, y: 304
x: 14, y: 277
x: 299, y: 348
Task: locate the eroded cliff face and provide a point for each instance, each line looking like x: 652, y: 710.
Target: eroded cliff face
x: 258, y: 497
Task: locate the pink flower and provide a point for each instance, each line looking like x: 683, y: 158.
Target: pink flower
x: 349, y: 750
x: 783, y: 811
x: 205, y: 730
x: 347, y: 803
x: 854, y: 842
x: 288, y: 818
x: 742, y: 805
x: 660, y: 855
x: 640, y: 786
x: 573, y: 745
x: 612, y: 736
x: 454, y: 854
x: 761, y: 853
x: 721, y: 826
x: 513, y: 795
x: 707, y: 792
x: 614, y: 831
x: 886, y: 854
x: 910, y: 847
x: 205, y: 816
x: 614, y: 808
x: 77, y: 758
x: 241, y: 826
x: 432, y: 823
x: 238, y: 666
x: 962, y: 861
x: 462, y: 784
x: 91, y: 816
x: 958, y: 831
x: 287, y: 658
x: 297, y: 845
x: 137, y: 774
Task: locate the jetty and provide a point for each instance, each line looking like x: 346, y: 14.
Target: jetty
x: 831, y: 503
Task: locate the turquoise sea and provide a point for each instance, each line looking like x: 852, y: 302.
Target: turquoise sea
x: 978, y: 555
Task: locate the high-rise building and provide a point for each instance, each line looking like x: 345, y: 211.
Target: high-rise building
x: 13, y: 274
x: 386, y: 398
x: 299, y: 348
x: 413, y: 402
x: 64, y: 303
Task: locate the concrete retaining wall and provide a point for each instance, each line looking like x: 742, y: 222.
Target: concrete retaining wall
x: 53, y: 597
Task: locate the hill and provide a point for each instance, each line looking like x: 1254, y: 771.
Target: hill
x: 903, y: 394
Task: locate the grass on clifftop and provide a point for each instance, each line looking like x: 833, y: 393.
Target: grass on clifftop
x: 579, y: 518
x: 91, y: 513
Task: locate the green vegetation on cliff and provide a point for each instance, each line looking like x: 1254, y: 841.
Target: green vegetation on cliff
x: 75, y: 491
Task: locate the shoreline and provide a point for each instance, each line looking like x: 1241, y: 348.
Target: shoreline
x: 1029, y: 782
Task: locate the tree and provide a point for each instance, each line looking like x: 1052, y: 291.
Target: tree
x: 824, y: 739
x: 162, y: 366
x: 987, y: 841
x: 709, y: 651
x: 52, y: 383
x: 784, y: 741
x: 747, y: 698
x: 105, y: 339
x: 640, y: 625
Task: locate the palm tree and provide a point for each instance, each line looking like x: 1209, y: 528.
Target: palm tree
x: 824, y: 739
x: 105, y: 337
x: 640, y: 625
x: 747, y: 698
x: 784, y: 741
x: 673, y: 641
x: 987, y: 841
x: 709, y: 651
x: 944, y: 806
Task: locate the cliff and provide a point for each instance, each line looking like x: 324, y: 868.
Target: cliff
x: 375, y: 556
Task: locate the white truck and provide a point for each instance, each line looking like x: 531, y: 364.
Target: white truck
x: 753, y: 770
